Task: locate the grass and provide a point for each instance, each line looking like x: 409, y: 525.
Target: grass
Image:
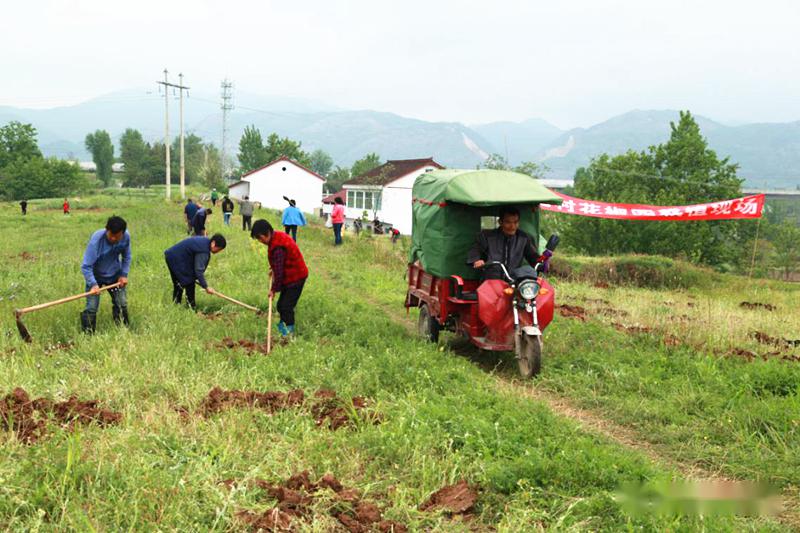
x: 443, y: 418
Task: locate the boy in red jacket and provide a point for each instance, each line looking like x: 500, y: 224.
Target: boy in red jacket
x: 66, y: 206
x: 289, y: 271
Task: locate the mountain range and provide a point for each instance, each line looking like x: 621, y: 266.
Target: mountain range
x: 768, y: 153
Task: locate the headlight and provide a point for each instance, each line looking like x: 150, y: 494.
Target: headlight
x: 528, y: 289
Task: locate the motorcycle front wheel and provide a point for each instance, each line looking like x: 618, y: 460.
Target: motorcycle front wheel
x: 529, y: 355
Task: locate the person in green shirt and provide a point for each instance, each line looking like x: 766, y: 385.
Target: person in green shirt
x: 214, y: 197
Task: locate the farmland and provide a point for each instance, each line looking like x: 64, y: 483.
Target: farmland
x: 640, y: 386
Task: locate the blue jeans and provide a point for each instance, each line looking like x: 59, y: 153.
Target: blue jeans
x: 337, y: 233
x: 227, y: 217
x: 119, y: 297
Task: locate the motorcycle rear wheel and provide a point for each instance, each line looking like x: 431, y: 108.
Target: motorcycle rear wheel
x: 529, y: 356
x: 427, y: 326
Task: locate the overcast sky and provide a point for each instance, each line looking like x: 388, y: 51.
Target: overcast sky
x: 573, y: 63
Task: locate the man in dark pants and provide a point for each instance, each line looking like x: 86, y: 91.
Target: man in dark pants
x: 246, y: 209
x: 227, y: 210
x: 199, y: 222
x: 107, y: 260
x: 189, y: 211
x: 24, y: 205
x: 187, y: 262
x: 507, y: 244
x: 289, y: 271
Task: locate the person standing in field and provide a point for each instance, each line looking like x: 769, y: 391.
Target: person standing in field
x: 289, y: 272
x: 246, y: 210
x: 107, y: 260
x: 199, y: 221
x: 337, y: 219
x: 227, y: 210
x: 187, y: 262
x: 292, y: 217
x: 24, y: 206
x: 189, y: 211
x: 214, y: 197
x: 65, y: 206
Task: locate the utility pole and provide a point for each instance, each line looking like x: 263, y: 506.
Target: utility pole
x: 183, y: 165
x: 227, y: 105
x: 180, y: 86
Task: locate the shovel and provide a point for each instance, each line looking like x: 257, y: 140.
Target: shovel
x: 237, y: 302
x: 23, y: 331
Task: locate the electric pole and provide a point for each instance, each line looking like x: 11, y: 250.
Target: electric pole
x: 227, y: 105
x: 180, y: 86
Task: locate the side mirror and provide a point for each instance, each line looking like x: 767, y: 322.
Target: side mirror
x: 552, y: 242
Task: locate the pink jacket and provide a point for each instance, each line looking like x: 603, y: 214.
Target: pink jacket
x: 337, y: 215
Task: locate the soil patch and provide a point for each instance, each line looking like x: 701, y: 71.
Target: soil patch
x: 572, y: 311
x: 763, y: 338
x: 294, y: 499
x: 757, y: 305
x: 328, y: 409
x: 27, y: 256
x: 250, y: 347
x: 29, y: 419
x: 632, y: 330
x: 453, y: 499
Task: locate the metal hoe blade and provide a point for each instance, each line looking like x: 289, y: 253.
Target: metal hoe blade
x: 23, y: 331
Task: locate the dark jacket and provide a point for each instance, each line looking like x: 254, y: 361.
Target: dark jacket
x: 189, y: 210
x: 199, y: 221
x: 188, y: 260
x: 227, y: 205
x: 494, y: 245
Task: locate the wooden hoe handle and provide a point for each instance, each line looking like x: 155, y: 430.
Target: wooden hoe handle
x: 237, y: 302
x: 20, y: 312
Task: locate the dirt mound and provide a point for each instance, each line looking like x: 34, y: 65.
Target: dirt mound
x: 250, y: 347
x: 27, y: 256
x: 271, y: 401
x: 328, y: 409
x: 572, y: 311
x: 453, y: 499
x: 757, y: 305
x: 632, y: 330
x: 29, y: 419
x: 763, y: 338
x: 296, y: 495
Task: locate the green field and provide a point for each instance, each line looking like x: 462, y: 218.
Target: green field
x: 615, y: 407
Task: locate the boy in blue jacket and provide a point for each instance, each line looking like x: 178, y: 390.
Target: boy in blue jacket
x: 187, y: 262
x: 107, y: 260
x: 292, y: 217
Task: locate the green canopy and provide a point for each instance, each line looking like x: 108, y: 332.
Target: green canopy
x: 448, y: 206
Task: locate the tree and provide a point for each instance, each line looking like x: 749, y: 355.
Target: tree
x: 193, y: 155
x: 102, y: 150
x: 681, y: 171
x: 534, y: 170
x: 365, y: 164
x: 285, y: 147
x: 38, y: 177
x: 135, y: 157
x: 336, y: 178
x: 18, y: 141
x: 495, y: 162
x: 210, y: 172
x: 251, y: 150
x: 321, y: 162
x: 785, y: 238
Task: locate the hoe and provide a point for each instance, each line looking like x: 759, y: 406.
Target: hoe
x: 251, y: 308
x: 23, y: 331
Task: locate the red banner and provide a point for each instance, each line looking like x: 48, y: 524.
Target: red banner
x: 746, y: 207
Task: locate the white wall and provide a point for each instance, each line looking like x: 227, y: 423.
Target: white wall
x: 395, y: 203
x: 269, y: 185
x: 239, y: 191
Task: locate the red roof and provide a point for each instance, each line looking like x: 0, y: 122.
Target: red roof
x: 284, y: 158
x: 330, y: 199
x: 383, y: 175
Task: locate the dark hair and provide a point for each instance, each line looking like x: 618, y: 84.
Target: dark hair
x: 208, y: 211
x: 261, y: 227
x: 292, y: 203
x: 508, y: 210
x: 219, y: 240
x: 338, y: 200
x: 246, y: 197
x: 188, y: 200
x: 116, y: 224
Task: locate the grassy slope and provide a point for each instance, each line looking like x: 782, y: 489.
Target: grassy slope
x: 443, y: 416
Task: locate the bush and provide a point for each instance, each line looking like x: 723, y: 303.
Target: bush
x: 647, y: 271
x: 41, y: 178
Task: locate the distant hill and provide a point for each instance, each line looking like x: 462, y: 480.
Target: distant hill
x: 768, y: 154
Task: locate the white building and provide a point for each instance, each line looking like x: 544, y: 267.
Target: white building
x: 385, y: 192
x: 282, y: 177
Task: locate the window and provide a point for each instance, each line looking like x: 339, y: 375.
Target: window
x: 488, y: 222
x: 378, y: 200
x: 368, y: 200
x: 359, y: 199
x: 351, y: 199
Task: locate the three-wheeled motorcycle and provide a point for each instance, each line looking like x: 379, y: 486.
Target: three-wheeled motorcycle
x: 450, y: 207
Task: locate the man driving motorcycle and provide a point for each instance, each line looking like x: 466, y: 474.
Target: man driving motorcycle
x: 506, y: 244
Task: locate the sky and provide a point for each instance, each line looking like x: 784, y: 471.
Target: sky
x: 570, y: 62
